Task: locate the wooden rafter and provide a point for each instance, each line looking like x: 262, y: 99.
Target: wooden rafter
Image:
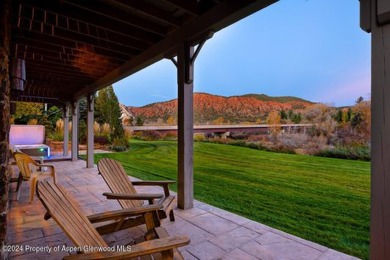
x: 119, y: 15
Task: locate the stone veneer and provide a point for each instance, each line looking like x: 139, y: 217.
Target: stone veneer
x: 4, y: 117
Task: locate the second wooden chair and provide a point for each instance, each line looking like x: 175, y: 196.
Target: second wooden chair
x: 31, y: 171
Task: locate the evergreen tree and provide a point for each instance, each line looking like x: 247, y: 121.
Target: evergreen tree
x: 283, y: 114
x: 296, y: 118
x: 339, y: 116
x: 108, y: 111
x: 140, y: 121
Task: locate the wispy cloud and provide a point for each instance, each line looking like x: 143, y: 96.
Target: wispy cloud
x: 345, y: 93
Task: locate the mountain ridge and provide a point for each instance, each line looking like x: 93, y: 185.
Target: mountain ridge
x: 209, y: 107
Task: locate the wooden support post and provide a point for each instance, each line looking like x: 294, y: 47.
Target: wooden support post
x: 90, y: 136
x: 185, y: 70
x: 75, y: 132
x: 66, y: 129
x: 379, y: 11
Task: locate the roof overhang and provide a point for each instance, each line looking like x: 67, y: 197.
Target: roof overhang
x: 73, y: 48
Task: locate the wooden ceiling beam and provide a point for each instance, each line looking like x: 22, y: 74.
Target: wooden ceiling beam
x: 217, y: 18
x: 71, y: 49
x: 54, y: 67
x: 46, y: 21
x: 25, y: 50
x: 100, y: 39
x: 78, y: 62
x: 68, y: 42
x: 188, y: 6
x: 89, y: 69
x: 39, y: 73
x: 41, y: 95
x: 151, y: 11
x: 85, y: 16
x: 119, y: 15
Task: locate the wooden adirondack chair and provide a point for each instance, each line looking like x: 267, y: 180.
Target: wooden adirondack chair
x: 31, y: 171
x: 123, y: 189
x: 69, y: 216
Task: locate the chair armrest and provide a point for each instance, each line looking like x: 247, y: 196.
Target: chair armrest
x: 163, y: 184
x: 121, y: 196
x: 144, y: 248
x: 122, y: 213
x: 152, y: 183
x: 52, y: 169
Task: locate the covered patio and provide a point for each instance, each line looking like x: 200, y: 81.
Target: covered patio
x: 214, y: 233
x: 60, y: 51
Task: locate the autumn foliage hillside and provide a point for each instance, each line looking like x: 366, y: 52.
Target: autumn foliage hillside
x: 208, y: 108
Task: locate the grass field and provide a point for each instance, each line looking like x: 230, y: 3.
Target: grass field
x: 319, y: 199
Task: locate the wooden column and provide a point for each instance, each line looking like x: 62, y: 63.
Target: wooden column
x: 185, y: 71
x: 75, y: 132
x: 5, y: 37
x: 66, y: 129
x: 90, y: 136
x: 375, y: 17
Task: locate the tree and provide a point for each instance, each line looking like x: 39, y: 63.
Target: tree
x: 218, y: 121
x: 339, y: 116
x: 83, y: 110
x: 25, y: 111
x: 108, y: 111
x: 274, y: 120
x: 361, y: 120
x: 171, y: 121
x: 359, y: 100
x: 140, y: 121
x: 323, y: 117
x: 296, y: 118
x: 283, y: 114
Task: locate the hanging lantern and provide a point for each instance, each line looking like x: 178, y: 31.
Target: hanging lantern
x: 18, y: 74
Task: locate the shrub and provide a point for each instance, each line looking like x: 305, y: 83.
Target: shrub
x: 199, y: 137
x: 170, y: 136
x: 32, y: 121
x: 101, y: 139
x: 60, y: 126
x: 56, y: 136
x: 347, y: 152
x: 148, y: 135
x: 105, y: 129
x: 119, y: 144
x: 96, y: 128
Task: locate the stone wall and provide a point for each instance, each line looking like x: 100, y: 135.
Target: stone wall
x: 4, y: 117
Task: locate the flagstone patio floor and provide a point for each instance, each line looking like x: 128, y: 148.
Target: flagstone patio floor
x: 214, y: 233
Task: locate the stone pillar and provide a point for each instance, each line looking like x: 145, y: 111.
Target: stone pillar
x: 5, y: 37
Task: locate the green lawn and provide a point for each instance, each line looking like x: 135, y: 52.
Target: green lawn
x: 319, y: 199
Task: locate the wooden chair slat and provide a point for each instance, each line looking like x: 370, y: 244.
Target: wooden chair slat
x: 53, y: 205
x: 118, y: 181
x: 68, y: 215
x: 59, y: 213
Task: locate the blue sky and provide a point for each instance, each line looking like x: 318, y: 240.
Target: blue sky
x: 313, y: 49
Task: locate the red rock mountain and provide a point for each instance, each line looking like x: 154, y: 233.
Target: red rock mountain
x: 207, y: 107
